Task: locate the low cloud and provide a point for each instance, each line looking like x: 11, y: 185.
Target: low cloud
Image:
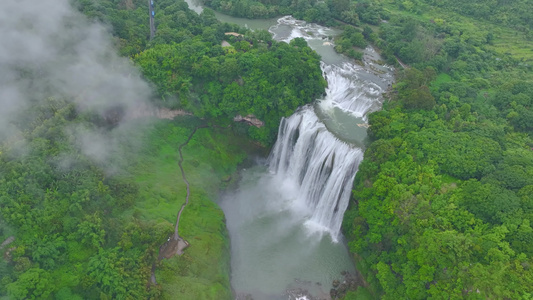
x: 48, y: 49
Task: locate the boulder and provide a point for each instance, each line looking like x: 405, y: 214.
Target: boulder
x: 333, y: 293
x: 250, y: 120
x: 335, y: 283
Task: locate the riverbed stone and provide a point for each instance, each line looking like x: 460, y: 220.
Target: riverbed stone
x: 333, y: 293
x: 342, y: 288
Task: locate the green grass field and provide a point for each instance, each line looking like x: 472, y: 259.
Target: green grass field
x: 210, y: 160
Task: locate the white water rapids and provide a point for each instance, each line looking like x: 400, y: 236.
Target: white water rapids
x: 346, y: 92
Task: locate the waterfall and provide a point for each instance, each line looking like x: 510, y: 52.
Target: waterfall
x: 273, y: 217
x: 312, y: 160
x: 320, y: 166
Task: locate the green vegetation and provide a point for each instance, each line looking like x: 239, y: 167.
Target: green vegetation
x: 476, y: 21
x: 360, y: 294
x: 329, y: 13
x: 516, y: 14
x: 350, y: 38
x: 191, y: 70
x: 128, y: 20
x: 65, y: 214
x: 267, y: 82
x: 442, y: 202
x: 322, y: 12
x: 210, y: 157
x: 81, y: 232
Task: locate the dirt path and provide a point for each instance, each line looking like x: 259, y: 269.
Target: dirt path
x: 176, y: 244
x: 176, y: 235
x: 402, y: 64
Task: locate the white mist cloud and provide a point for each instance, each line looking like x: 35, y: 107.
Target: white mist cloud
x: 48, y: 49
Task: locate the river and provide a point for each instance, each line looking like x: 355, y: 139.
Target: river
x: 284, y: 217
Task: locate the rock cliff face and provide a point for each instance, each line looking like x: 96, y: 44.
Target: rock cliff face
x: 250, y: 119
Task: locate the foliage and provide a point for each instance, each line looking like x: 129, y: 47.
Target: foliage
x: 266, y: 81
x: 209, y: 158
x: 516, y: 14
x: 91, y: 230
x: 442, y: 205
x: 66, y: 212
x: 127, y: 21
x: 191, y: 70
x: 85, y: 231
x: 322, y: 12
x: 350, y: 38
x: 81, y: 232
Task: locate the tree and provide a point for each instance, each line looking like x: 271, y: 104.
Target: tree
x: 35, y: 283
x: 419, y: 98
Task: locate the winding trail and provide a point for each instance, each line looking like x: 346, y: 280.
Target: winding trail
x: 402, y: 64
x: 176, y: 235
x: 176, y: 244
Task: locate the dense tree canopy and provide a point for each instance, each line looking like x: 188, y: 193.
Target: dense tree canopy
x: 518, y: 14
x: 67, y: 216
x: 191, y: 70
x: 323, y: 12
x: 442, y: 202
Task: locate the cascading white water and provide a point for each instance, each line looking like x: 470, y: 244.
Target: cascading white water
x: 298, y: 28
x: 311, y: 158
x: 348, y: 92
x: 321, y: 166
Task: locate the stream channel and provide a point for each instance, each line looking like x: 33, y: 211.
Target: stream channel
x: 284, y: 217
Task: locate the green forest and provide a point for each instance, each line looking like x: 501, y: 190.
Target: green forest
x: 443, y: 201
x: 442, y: 204
x: 191, y: 70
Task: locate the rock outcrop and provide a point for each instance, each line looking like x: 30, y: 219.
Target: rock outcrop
x: 250, y: 120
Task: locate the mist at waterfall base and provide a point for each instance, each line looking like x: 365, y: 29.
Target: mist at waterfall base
x: 284, y: 220
x: 272, y: 250
x: 285, y: 217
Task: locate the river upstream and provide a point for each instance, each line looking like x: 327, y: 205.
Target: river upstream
x: 284, y: 217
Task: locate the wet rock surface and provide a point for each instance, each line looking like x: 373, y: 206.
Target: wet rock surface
x: 350, y: 282
x: 335, y: 283
x: 299, y: 293
x: 310, y: 290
